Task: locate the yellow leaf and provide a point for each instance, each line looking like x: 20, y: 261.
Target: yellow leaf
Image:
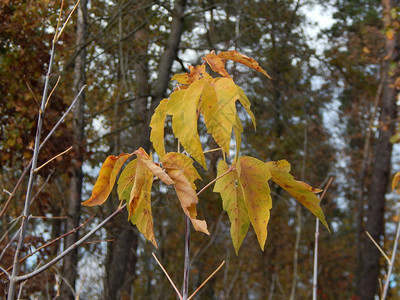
x: 309, y: 187
x: 300, y: 191
x: 157, y: 128
x: 219, y: 110
x: 238, y: 129
x: 243, y: 59
x: 216, y: 64
x: 183, y: 108
x: 233, y: 203
x: 126, y: 180
x: 180, y: 168
x: 390, y: 33
x: 395, y: 180
x: 107, y: 176
x: 152, y: 166
x: 195, y: 74
x: 253, y: 177
x: 141, y: 216
x: 182, y: 78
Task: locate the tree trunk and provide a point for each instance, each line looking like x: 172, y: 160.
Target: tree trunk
x: 381, y: 167
x: 121, y: 254
x: 70, y: 271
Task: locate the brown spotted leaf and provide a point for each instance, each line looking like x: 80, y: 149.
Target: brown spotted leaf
x: 301, y: 191
x: 233, y: 203
x: 253, y: 176
x: 141, y: 214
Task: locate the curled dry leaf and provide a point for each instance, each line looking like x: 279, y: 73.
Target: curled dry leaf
x: 154, y: 168
x: 243, y: 59
x: 106, y: 180
x: 180, y: 168
x: 216, y: 64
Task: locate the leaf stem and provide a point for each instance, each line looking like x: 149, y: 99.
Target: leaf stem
x: 185, y: 289
x: 215, y: 179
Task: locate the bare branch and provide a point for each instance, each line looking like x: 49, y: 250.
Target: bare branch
x: 50, y: 160
x: 379, y: 247
x: 205, y: 281
x: 169, y: 278
x: 68, y: 250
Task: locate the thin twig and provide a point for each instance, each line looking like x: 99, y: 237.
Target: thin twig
x: 379, y: 248
x: 53, y: 241
x: 30, y: 89
x: 52, y: 91
x: 50, y: 160
x: 169, y: 278
x: 212, y: 150
x: 43, y: 217
x: 214, y: 180
x: 315, y: 264
x: 72, y: 247
x: 66, y: 21
x: 58, y: 22
x: 205, y: 281
x: 42, y: 187
x: 391, y: 264
x: 14, y: 190
x: 100, y: 241
x: 5, y: 272
x: 40, y: 147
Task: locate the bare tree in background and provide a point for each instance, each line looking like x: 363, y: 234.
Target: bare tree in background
x: 70, y: 270
x: 381, y: 164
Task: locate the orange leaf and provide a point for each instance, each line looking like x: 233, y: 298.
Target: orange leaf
x: 180, y: 168
x: 105, y: 182
x: 243, y: 59
x: 395, y: 181
x: 216, y: 64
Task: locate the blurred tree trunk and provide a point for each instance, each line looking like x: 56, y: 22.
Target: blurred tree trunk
x: 70, y: 271
x: 121, y: 254
x: 381, y: 164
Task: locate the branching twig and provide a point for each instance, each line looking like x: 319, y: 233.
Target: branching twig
x: 315, y: 264
x: 205, y: 281
x: 377, y: 246
x: 51, y: 159
x: 53, y: 241
x: 169, y: 278
x: 40, y: 147
x: 68, y: 250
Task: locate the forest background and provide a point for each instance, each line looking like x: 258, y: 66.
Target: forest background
x: 329, y: 108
